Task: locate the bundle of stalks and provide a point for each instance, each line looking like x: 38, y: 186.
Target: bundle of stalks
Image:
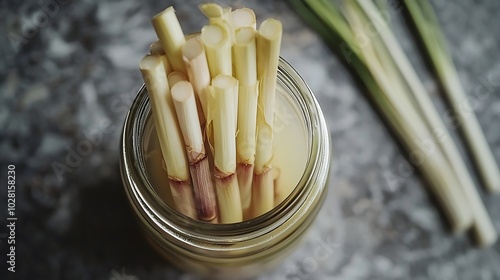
x: 196, y: 101
x: 401, y: 97
x: 428, y: 28
x: 156, y: 48
x: 427, y: 25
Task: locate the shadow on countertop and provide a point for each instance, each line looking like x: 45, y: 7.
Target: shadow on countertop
x: 103, y: 240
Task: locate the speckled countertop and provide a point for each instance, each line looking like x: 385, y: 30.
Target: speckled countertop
x: 75, y: 71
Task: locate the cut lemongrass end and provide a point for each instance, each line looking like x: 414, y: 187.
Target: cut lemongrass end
x: 243, y: 17
x: 197, y: 70
x: 218, y: 16
x: 169, y: 135
x: 185, y: 107
x: 156, y: 48
x: 211, y: 10
x: 175, y: 77
x: 172, y: 39
x: 218, y: 50
x: 222, y: 103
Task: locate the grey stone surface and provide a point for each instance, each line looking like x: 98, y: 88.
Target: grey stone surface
x: 66, y: 77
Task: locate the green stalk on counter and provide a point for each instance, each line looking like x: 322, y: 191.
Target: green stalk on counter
x: 427, y: 25
x: 483, y: 226
x: 394, y: 105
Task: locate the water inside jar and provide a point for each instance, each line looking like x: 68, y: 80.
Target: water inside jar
x: 290, y: 142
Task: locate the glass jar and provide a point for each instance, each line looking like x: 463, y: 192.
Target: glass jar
x: 238, y: 250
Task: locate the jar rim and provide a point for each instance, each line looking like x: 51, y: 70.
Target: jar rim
x: 173, y: 223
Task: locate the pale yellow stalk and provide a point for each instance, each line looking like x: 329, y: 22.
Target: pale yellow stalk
x: 197, y: 70
x: 268, y: 48
x: 172, y: 39
x: 245, y: 62
x: 156, y: 49
x: 223, y: 111
x: 187, y: 114
x: 169, y: 136
x: 218, y: 50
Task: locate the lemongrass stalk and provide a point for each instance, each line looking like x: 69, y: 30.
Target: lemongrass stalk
x: 428, y: 28
x: 245, y: 62
x: 156, y: 49
x: 187, y: 114
x: 425, y: 21
x: 245, y: 56
x: 243, y: 17
x: 268, y: 48
x: 335, y: 31
x: 483, y: 225
x: 172, y: 38
x: 218, y: 50
x: 175, y: 77
x: 197, y: 69
x: 171, y: 144
x: 225, y: 89
x: 168, y: 67
x: 445, y: 183
x: 246, y: 143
